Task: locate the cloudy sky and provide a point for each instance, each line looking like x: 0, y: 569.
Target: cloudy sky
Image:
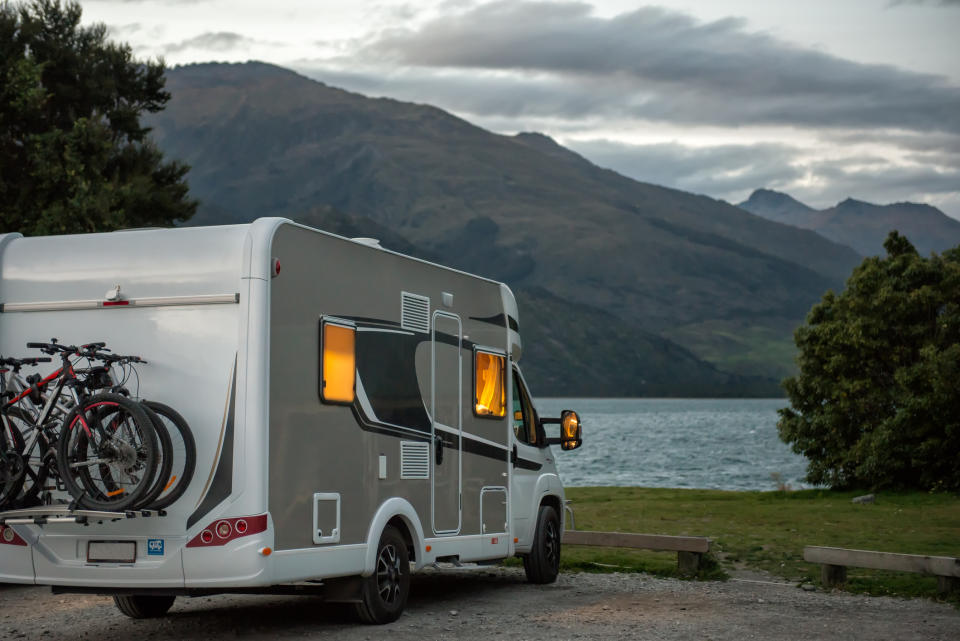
x: 823, y: 99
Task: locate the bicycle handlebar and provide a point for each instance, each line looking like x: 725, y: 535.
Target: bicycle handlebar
x: 25, y: 361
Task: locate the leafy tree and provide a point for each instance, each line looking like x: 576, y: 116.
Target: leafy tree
x: 73, y: 154
x: 877, y: 400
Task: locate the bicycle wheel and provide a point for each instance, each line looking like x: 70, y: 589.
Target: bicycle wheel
x: 107, y: 453
x: 34, y: 454
x: 165, y: 462
x: 12, y: 465
x: 184, y: 455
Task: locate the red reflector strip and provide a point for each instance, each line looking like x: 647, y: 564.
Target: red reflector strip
x: 9, y: 537
x: 254, y: 525
x: 115, y: 303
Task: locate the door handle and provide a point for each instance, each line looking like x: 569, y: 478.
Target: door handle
x: 438, y: 449
x: 514, y: 456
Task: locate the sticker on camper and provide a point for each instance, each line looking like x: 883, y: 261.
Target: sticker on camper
x: 155, y: 547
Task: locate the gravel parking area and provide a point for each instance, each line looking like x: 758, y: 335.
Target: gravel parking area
x: 498, y: 603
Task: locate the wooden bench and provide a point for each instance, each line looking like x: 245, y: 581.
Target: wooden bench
x: 834, y: 562
x: 689, y: 549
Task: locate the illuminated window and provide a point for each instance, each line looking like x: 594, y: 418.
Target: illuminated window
x: 490, y: 394
x: 338, y: 363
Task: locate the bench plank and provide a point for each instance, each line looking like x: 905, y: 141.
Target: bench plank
x: 917, y: 563
x: 661, y: 542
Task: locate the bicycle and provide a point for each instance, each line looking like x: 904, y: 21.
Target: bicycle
x: 106, y: 447
x: 24, y: 471
x: 178, y: 458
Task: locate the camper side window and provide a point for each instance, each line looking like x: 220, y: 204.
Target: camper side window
x: 523, y: 416
x: 490, y: 389
x: 338, y: 363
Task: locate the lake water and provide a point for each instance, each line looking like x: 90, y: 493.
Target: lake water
x: 728, y: 444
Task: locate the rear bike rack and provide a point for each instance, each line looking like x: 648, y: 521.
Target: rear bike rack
x: 45, y: 514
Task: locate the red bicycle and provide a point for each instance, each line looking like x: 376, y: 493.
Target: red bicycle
x: 106, y: 446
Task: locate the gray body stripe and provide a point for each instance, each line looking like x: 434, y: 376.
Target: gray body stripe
x: 222, y: 484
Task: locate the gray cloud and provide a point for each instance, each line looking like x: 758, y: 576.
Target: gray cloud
x: 731, y: 172
x: 211, y: 41
x: 657, y: 64
x: 721, y: 170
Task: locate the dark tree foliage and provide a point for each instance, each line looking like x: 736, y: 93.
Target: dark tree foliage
x: 877, y: 400
x: 73, y: 154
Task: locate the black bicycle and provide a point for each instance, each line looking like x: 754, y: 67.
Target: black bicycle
x: 107, y: 447
x: 178, y: 448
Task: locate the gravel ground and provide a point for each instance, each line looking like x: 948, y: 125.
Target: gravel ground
x: 498, y: 603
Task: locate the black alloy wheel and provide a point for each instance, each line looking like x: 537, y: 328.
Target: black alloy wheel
x: 542, y: 564
x: 384, y: 593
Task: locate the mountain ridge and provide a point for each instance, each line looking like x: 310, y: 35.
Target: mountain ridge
x: 267, y: 141
x: 859, y: 224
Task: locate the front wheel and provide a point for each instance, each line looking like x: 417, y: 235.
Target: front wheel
x: 384, y: 593
x: 542, y: 565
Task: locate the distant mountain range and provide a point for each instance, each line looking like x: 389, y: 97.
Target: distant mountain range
x: 860, y: 225
x: 625, y: 288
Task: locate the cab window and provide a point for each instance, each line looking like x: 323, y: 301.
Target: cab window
x: 524, y: 420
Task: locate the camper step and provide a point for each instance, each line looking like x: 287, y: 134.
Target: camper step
x: 44, y: 514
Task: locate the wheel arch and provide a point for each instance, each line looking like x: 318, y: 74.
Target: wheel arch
x: 399, y: 513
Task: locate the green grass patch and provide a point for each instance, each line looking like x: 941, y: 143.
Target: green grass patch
x: 768, y: 530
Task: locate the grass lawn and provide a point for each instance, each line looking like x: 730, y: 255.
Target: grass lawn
x: 768, y: 530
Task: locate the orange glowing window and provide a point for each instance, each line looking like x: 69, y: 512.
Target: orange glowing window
x: 338, y: 363
x: 490, y: 380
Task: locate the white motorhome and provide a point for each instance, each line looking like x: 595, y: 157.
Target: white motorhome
x: 357, y: 413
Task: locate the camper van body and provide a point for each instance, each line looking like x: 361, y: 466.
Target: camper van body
x: 230, y: 321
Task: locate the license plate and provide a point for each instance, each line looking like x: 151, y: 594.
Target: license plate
x: 111, y: 551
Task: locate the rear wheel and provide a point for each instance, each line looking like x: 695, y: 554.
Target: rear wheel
x: 33, y: 466
x: 164, y: 461
x: 384, y: 593
x: 542, y: 565
x: 184, y: 455
x: 107, y: 453
x: 12, y: 464
x: 143, y: 606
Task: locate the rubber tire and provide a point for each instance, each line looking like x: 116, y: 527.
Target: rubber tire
x: 151, y: 446
x: 542, y: 565
x: 372, y: 608
x: 165, y: 459
x: 190, y: 454
x: 11, y: 443
x: 144, y: 606
x: 28, y: 493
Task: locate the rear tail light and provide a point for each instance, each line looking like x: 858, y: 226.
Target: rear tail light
x: 227, y: 530
x: 224, y: 529
x: 9, y: 537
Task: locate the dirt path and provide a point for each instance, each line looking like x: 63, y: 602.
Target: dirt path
x: 499, y: 604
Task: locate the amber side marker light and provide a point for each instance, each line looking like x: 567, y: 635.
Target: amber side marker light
x: 266, y: 551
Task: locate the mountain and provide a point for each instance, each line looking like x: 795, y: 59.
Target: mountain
x: 778, y: 206
x: 266, y: 141
x: 860, y: 225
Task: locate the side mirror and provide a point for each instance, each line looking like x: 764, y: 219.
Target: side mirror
x: 571, y: 433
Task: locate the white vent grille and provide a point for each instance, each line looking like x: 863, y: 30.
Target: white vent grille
x: 415, y: 312
x: 414, y: 460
